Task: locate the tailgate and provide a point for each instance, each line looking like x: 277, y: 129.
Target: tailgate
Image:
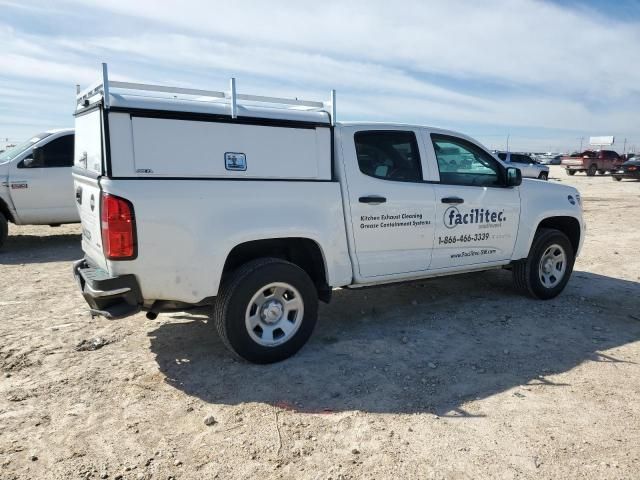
x: 88, y: 166
x: 572, y: 161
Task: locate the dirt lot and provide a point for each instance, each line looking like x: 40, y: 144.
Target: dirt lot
x: 449, y: 378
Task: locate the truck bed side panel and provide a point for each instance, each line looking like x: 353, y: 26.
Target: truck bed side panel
x: 187, y: 228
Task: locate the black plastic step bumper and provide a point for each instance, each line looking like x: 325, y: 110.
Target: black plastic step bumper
x: 107, y: 296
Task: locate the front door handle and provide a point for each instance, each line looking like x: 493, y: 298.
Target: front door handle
x: 454, y: 200
x: 372, y: 200
x: 79, y: 195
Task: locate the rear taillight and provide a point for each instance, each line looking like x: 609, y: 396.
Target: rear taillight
x: 118, y: 228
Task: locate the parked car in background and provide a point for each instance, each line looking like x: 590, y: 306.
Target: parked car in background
x: 36, y: 186
x: 592, y: 162
x: 551, y: 160
x: 629, y: 169
x: 527, y: 165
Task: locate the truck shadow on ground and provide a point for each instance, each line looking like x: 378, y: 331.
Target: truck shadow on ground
x: 424, y: 347
x: 20, y: 249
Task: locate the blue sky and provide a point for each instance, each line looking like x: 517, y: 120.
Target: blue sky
x: 544, y: 73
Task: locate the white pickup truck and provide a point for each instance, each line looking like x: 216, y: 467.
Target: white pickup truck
x: 256, y: 207
x: 36, y: 186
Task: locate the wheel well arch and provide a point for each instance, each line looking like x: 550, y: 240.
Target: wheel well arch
x: 570, y: 226
x: 303, y: 252
x: 4, y: 209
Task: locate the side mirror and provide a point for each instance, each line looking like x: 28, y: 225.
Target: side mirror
x: 514, y: 177
x: 27, y: 162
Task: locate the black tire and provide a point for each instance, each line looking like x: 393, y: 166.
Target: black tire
x: 4, y: 229
x: 602, y: 172
x: 235, y: 297
x: 526, y: 272
x: 544, y: 176
x: 617, y: 179
x: 593, y: 168
x: 571, y: 173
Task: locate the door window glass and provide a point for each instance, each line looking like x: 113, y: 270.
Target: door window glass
x: 462, y: 163
x: 389, y: 155
x: 57, y: 153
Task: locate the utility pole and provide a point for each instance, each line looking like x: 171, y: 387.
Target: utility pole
x: 581, y: 140
x: 624, y: 148
x: 508, y: 141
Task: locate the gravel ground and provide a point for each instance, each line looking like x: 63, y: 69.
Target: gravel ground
x: 447, y: 378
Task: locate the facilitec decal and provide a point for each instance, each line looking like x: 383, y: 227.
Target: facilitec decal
x: 484, y: 218
x: 393, y: 221
x: 474, y: 253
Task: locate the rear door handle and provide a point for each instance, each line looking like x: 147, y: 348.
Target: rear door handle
x: 454, y: 200
x: 372, y: 200
x: 79, y: 195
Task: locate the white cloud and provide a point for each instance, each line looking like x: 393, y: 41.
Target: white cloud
x: 465, y: 64
x: 515, y: 41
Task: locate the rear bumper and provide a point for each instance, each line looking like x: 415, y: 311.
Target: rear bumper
x: 107, y: 296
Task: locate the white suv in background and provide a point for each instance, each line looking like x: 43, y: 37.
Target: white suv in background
x: 527, y: 165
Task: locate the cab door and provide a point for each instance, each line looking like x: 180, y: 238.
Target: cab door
x: 390, y: 207
x: 477, y: 217
x: 41, y: 184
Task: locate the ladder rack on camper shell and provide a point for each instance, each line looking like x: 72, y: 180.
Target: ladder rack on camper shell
x: 232, y: 97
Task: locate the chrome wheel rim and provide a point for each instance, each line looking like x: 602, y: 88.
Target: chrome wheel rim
x: 274, y: 314
x: 553, y: 265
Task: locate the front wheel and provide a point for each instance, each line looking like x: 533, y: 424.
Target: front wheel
x: 266, y: 310
x: 546, y: 271
x: 571, y: 173
x: 4, y: 229
x: 617, y: 179
x: 592, y: 170
x: 544, y: 176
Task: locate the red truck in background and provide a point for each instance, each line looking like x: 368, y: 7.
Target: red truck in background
x: 592, y: 161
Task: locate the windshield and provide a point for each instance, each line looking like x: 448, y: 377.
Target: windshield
x: 13, y: 152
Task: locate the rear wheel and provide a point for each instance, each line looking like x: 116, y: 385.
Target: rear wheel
x: 617, y: 179
x: 4, y: 229
x: 266, y: 310
x: 570, y: 172
x: 592, y: 170
x: 546, y: 271
x: 602, y: 172
x: 544, y: 176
